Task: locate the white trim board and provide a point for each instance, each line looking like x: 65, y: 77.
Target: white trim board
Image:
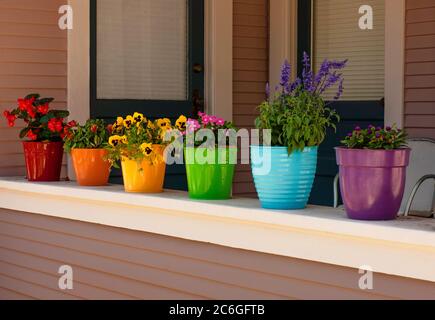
x: 404, y: 248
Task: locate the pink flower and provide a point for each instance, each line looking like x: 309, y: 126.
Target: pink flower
x: 206, y: 120
x: 193, y: 125
x: 201, y: 114
x: 220, y: 122
x: 213, y: 119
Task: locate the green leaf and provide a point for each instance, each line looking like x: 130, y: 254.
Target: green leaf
x: 33, y: 95
x: 24, y: 132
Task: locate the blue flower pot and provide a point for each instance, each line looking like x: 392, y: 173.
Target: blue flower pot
x: 283, y: 182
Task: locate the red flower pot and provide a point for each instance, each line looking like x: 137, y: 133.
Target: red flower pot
x: 43, y: 160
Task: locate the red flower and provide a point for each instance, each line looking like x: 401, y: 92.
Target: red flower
x: 25, y: 104
x: 94, y: 128
x: 31, y: 135
x: 110, y: 128
x: 72, y: 124
x: 31, y: 112
x: 10, y: 118
x: 55, y: 125
x: 43, y: 109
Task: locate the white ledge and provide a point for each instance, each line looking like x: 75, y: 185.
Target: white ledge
x: 405, y: 247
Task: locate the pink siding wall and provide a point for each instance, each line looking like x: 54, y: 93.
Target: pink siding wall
x: 251, y: 68
x: 420, y: 68
x: 33, y: 58
x: 112, y: 263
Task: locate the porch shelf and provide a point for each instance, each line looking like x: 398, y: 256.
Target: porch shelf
x: 405, y: 247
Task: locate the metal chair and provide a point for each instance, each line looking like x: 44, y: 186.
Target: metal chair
x: 420, y: 195
x: 421, y: 169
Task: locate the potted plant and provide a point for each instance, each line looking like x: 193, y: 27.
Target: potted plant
x: 43, y: 131
x: 296, y: 118
x: 87, y: 145
x: 373, y: 166
x: 139, y: 145
x: 209, y: 164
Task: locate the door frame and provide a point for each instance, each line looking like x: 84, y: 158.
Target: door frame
x: 218, y: 61
x: 284, y: 13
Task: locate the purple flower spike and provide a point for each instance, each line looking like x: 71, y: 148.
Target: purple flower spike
x: 358, y: 128
x: 350, y: 135
x: 285, y: 74
x: 267, y: 90
x: 378, y: 129
x: 388, y: 128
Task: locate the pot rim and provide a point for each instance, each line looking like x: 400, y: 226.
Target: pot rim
x: 89, y: 149
x: 43, y: 142
x: 372, y: 150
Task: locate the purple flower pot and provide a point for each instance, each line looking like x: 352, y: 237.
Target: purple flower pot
x: 372, y: 182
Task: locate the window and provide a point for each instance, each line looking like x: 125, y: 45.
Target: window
x: 142, y: 49
x: 337, y: 35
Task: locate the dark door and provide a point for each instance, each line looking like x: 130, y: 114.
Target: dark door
x: 332, y: 26
x: 147, y: 56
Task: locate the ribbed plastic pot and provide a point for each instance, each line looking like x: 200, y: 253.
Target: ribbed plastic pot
x: 144, y: 176
x: 372, y: 182
x: 43, y: 160
x: 210, y: 181
x: 91, y: 167
x: 283, y: 181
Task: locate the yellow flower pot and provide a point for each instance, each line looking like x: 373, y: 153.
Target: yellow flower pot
x: 144, y: 176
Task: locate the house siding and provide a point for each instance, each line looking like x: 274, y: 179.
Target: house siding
x: 250, y: 73
x: 33, y: 58
x: 114, y: 263
x: 420, y: 68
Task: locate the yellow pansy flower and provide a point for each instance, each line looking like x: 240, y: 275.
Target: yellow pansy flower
x: 117, y: 126
x: 181, y: 123
x: 124, y: 139
x: 151, y: 125
x: 128, y: 122
x: 147, y: 149
x: 114, y: 141
x: 139, y: 117
x: 164, y: 123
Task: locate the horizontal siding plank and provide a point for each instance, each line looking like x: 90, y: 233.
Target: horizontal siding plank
x: 420, y: 29
x: 421, y: 132
x: 37, y: 82
x: 420, y: 15
x: 419, y: 95
x: 17, y: 16
x: 420, y: 108
x: 12, y: 295
x: 33, y: 69
x: 421, y: 81
x: 420, y: 68
x: 31, y: 43
x: 420, y: 42
x: 33, y: 30
x: 254, y: 32
x: 50, y: 5
x: 32, y: 56
x: 32, y: 290
x: 420, y: 55
x: 417, y: 4
x: 420, y: 121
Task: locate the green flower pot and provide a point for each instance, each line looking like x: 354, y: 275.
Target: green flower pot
x: 212, y: 180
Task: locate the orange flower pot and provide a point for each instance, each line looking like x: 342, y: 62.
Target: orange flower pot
x: 143, y: 176
x: 91, y: 167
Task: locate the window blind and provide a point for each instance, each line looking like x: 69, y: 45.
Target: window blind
x: 337, y: 35
x: 142, y: 49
